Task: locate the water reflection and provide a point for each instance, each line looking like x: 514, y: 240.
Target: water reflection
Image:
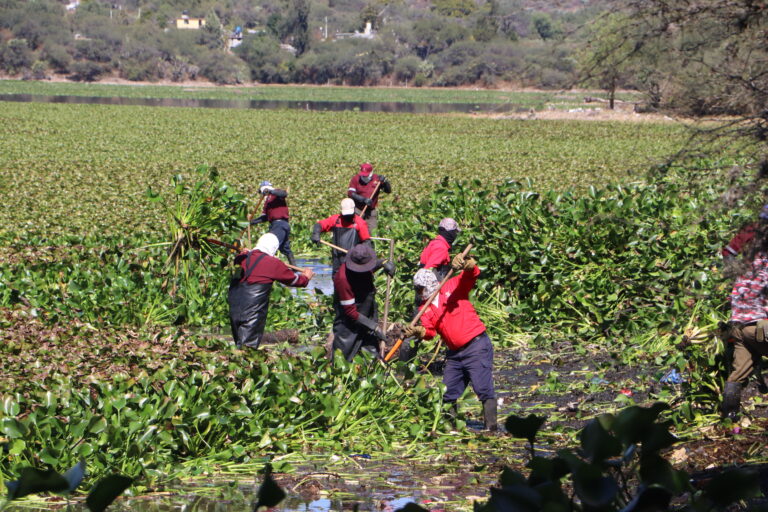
x: 331, y: 106
x: 322, y: 281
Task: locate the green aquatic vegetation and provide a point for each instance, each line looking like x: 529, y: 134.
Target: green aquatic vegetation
x: 524, y: 99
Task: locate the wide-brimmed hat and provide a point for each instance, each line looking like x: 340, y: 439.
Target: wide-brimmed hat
x: 361, y: 258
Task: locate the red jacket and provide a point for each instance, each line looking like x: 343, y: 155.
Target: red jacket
x: 436, y: 253
x: 365, y: 190
x: 275, y: 206
x: 338, y: 221
x: 742, y: 238
x: 269, y: 269
x: 454, y: 318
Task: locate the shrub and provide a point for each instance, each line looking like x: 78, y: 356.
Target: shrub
x: 58, y: 58
x: 420, y: 80
x: 86, y: 71
x: 224, y: 69
x: 15, y: 56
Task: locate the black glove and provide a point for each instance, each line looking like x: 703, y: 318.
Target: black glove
x: 357, y: 197
x: 368, y: 201
x: 278, y: 192
x: 382, y: 180
x: 259, y: 220
x: 386, y: 186
x: 389, y: 268
x: 316, y: 230
x: 370, y: 324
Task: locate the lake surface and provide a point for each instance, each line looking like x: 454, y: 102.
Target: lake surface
x: 329, y: 106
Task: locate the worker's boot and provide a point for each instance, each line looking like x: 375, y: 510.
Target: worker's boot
x: 453, y: 415
x: 731, y: 400
x: 291, y: 259
x: 489, y: 415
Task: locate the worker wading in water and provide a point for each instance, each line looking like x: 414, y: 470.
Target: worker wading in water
x: 275, y: 211
x: 748, y: 327
x: 250, y: 288
x: 356, y: 323
x: 363, y: 190
x: 348, y: 230
x: 469, y: 357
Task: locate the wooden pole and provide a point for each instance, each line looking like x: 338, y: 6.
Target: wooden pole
x: 382, y: 344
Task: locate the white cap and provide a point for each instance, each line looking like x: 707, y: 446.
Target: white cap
x: 347, y: 206
x: 268, y: 244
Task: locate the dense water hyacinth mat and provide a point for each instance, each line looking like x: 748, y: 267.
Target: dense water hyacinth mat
x: 77, y: 169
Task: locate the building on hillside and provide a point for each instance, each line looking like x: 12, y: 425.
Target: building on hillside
x: 185, y: 22
x: 367, y: 33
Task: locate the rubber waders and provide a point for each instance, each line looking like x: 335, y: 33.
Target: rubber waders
x: 489, y: 415
x: 731, y: 400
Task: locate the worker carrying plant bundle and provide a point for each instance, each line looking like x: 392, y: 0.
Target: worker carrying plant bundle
x: 249, y: 289
x: 364, y: 189
x: 356, y: 323
x: 748, y: 327
x: 276, y: 212
x: 469, y: 357
x: 348, y: 230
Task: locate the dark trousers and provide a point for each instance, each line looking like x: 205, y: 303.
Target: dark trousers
x: 282, y: 230
x: 472, y: 363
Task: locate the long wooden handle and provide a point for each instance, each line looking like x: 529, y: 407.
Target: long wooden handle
x: 375, y: 189
x: 332, y: 246
x: 424, y: 307
x: 250, y: 216
x: 386, y: 297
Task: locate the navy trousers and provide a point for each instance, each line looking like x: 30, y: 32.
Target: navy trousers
x: 282, y: 230
x: 472, y: 363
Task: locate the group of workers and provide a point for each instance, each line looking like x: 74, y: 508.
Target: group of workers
x: 450, y: 313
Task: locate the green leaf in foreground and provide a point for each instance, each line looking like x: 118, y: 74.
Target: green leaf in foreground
x: 35, y: 480
x: 527, y: 427
x: 105, y: 492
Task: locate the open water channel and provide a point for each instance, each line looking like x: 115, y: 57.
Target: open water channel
x: 330, y: 106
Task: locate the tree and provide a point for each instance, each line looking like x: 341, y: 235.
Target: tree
x: 543, y: 25
x: 606, y: 56
x: 487, y: 25
x: 297, y: 24
x: 15, y: 56
x: 718, y: 63
x: 212, y: 34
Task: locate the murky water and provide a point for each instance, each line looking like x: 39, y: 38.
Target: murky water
x: 331, y: 106
x: 322, y: 281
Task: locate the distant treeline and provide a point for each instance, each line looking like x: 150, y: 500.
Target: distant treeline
x: 437, y: 42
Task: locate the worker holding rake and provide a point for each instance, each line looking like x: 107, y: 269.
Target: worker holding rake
x: 451, y: 315
x: 364, y: 189
x: 250, y: 288
x: 276, y: 212
x: 348, y: 230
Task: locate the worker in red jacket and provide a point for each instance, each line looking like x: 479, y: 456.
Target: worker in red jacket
x: 363, y: 190
x: 249, y: 290
x: 275, y: 211
x: 348, y: 229
x: 469, y: 357
x: 356, y: 323
x: 436, y: 255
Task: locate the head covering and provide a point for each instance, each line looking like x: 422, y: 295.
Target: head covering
x: 426, y: 279
x: 449, y: 224
x: 764, y: 212
x: 268, y: 244
x: 347, y: 206
x: 264, y: 184
x: 366, y: 168
x: 361, y: 258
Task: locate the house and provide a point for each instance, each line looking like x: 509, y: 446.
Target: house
x: 367, y: 33
x: 185, y: 22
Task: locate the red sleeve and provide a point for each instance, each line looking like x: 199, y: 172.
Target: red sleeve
x: 464, y: 283
x: 741, y: 239
x: 427, y: 321
x: 362, y: 229
x: 346, y: 295
x: 352, y: 186
x: 281, y: 273
x: 327, y: 224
